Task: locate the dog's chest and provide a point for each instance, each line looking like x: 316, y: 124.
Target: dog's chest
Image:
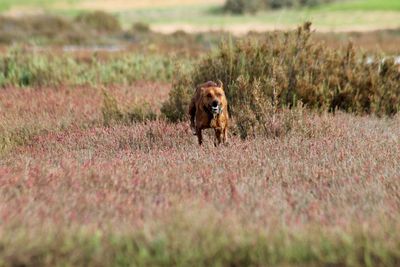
x: 216, y: 122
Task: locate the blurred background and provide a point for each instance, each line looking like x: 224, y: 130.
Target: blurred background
x: 192, y: 26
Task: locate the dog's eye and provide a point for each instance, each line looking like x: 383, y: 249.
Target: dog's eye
x: 209, y: 95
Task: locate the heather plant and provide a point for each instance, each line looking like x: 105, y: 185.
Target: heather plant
x: 288, y: 69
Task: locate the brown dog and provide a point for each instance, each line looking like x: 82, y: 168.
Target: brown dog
x: 209, y: 109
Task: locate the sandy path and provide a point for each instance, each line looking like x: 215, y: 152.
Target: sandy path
x: 243, y: 29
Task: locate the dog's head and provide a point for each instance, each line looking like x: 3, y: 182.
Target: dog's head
x: 213, y: 97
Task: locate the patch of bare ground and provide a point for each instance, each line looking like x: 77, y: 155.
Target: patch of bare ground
x: 245, y: 28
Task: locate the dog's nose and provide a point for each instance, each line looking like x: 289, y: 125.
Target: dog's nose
x: 215, y: 103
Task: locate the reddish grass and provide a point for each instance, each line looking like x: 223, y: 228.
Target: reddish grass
x: 124, y: 179
x: 130, y: 176
x: 27, y: 112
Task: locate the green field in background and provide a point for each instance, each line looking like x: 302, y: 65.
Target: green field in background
x: 386, y: 5
x: 368, y: 13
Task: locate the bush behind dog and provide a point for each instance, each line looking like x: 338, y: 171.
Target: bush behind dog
x: 289, y: 69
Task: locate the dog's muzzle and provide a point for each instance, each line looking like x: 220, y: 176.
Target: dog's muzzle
x: 217, y: 110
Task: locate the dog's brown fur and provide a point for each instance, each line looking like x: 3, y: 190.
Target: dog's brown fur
x: 202, y: 115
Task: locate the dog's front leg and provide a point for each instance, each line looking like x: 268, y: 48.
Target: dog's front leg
x: 199, y: 136
x: 192, y: 113
x: 218, y: 137
x: 225, y: 133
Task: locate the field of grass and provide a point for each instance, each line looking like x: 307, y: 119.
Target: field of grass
x: 79, y: 193
x: 94, y: 172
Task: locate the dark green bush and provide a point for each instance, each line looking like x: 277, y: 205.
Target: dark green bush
x: 176, y: 107
x: 100, y: 21
x: 244, y: 6
x: 141, y: 27
x: 252, y: 6
x: 287, y: 69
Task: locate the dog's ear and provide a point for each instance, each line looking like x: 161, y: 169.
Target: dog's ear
x: 220, y: 84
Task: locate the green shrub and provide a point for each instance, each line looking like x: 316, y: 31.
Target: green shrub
x: 113, y: 114
x: 176, y: 107
x: 141, y: 27
x: 287, y: 69
x: 244, y: 6
x: 100, y: 21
